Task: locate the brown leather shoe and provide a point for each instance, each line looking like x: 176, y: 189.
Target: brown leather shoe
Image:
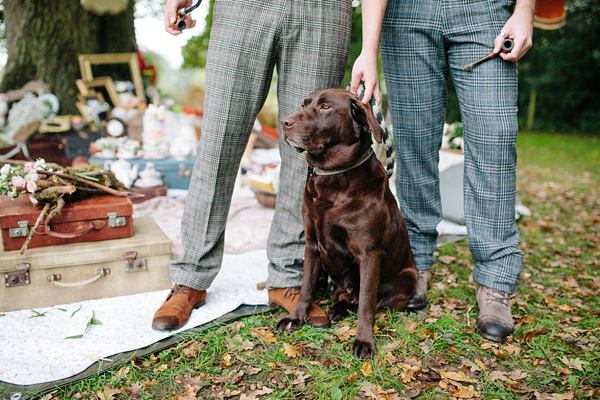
x: 495, y: 321
x: 288, y: 298
x: 176, y: 309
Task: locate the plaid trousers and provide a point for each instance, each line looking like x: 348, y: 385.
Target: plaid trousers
x: 307, y: 41
x: 422, y: 42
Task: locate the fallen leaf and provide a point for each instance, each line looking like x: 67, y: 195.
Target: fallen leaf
x: 290, y: 350
x: 263, y: 334
x: 512, y: 349
x: 300, y: 378
x: 108, y: 393
x: 464, y: 392
x: 426, y: 345
x: 367, y: 368
x: 161, y: 368
x: 237, y: 344
x: 575, y: 364
x: 410, y: 325
x: 345, y: 332
x: 495, y: 375
x: 457, y: 376
x: 517, y: 375
x: 134, y: 390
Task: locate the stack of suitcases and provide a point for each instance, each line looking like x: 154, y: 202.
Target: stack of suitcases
x: 93, y: 249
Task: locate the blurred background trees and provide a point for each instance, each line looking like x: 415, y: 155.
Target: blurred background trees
x: 559, y: 80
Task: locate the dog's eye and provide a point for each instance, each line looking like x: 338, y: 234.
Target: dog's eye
x: 325, y: 106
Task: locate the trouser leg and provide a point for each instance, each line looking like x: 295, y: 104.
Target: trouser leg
x: 312, y: 55
x: 488, y: 101
x: 239, y: 68
x: 415, y: 70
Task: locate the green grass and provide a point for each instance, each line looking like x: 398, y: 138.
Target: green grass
x: 434, y: 354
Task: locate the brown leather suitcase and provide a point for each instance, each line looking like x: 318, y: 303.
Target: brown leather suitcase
x: 48, y: 276
x: 88, y: 220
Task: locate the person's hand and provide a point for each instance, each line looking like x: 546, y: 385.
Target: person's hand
x: 365, y: 70
x: 519, y: 27
x: 171, y: 16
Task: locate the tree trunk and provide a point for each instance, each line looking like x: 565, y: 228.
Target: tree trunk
x: 44, y: 39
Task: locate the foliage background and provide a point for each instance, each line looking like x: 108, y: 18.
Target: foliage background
x: 563, y: 67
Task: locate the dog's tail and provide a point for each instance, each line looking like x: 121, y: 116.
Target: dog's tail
x: 388, y: 145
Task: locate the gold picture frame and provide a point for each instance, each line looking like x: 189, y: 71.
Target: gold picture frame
x: 86, y: 88
x: 87, y: 60
x: 82, y: 102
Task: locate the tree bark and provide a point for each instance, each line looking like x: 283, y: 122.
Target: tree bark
x: 44, y: 39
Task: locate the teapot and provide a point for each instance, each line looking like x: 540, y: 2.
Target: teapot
x: 123, y: 171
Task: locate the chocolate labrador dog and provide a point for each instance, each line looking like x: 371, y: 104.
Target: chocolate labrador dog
x: 354, y: 229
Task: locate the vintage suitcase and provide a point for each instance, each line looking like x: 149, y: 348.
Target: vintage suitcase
x: 48, y: 276
x: 175, y: 173
x: 88, y: 220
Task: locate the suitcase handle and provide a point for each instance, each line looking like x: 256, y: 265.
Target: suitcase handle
x: 94, y: 225
x: 99, y: 274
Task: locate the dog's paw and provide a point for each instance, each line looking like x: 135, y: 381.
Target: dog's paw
x: 338, y: 311
x: 363, y: 349
x: 289, y: 324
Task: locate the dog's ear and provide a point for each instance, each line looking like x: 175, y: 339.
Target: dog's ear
x: 363, y: 114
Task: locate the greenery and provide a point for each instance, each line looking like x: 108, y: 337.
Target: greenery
x: 433, y: 354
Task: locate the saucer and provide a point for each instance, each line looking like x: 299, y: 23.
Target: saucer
x: 140, y: 184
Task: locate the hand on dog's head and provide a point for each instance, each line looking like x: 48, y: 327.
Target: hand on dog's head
x: 334, y: 127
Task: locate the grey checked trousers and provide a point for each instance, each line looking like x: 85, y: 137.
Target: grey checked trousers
x: 422, y: 42
x: 307, y: 41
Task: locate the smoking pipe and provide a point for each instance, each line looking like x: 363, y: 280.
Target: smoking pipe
x: 507, y: 46
x: 180, y: 23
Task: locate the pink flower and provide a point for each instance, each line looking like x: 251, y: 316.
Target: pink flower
x: 18, y: 181
x: 29, y: 165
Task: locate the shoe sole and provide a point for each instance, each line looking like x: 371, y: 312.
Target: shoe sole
x: 492, y: 338
x: 200, y: 304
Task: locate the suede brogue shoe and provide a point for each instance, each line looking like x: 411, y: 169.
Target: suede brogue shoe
x: 287, y: 298
x: 495, y: 321
x: 176, y: 310
x: 419, y: 298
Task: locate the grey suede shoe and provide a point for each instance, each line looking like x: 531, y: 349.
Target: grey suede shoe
x: 419, y: 298
x: 495, y: 321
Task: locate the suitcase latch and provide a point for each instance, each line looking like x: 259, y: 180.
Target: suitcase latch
x: 19, y: 278
x: 21, y: 231
x: 132, y: 263
x: 116, y: 222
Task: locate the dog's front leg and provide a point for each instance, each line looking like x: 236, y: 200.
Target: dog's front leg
x: 364, y: 343
x: 310, y: 277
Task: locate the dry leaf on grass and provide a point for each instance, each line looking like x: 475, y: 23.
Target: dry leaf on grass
x: 290, y: 350
x: 457, y: 376
x: 367, y: 368
x: 263, y: 334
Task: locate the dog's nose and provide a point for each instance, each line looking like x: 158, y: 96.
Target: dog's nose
x: 288, y: 122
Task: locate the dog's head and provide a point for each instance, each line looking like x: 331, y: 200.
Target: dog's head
x: 334, y: 127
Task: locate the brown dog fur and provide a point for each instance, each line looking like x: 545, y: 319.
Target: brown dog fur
x: 354, y: 229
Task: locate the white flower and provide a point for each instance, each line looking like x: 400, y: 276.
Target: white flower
x: 40, y: 163
x: 32, y: 176
x: 5, y: 171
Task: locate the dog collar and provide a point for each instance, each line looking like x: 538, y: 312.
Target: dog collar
x: 358, y: 162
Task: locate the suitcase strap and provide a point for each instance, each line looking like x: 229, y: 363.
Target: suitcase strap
x: 94, y: 225
x: 55, y: 279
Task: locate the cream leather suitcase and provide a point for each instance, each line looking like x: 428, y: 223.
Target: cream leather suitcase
x: 48, y: 276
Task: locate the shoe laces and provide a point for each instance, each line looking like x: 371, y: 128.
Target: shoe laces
x: 291, y: 292
x: 498, y: 297
x: 180, y: 289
